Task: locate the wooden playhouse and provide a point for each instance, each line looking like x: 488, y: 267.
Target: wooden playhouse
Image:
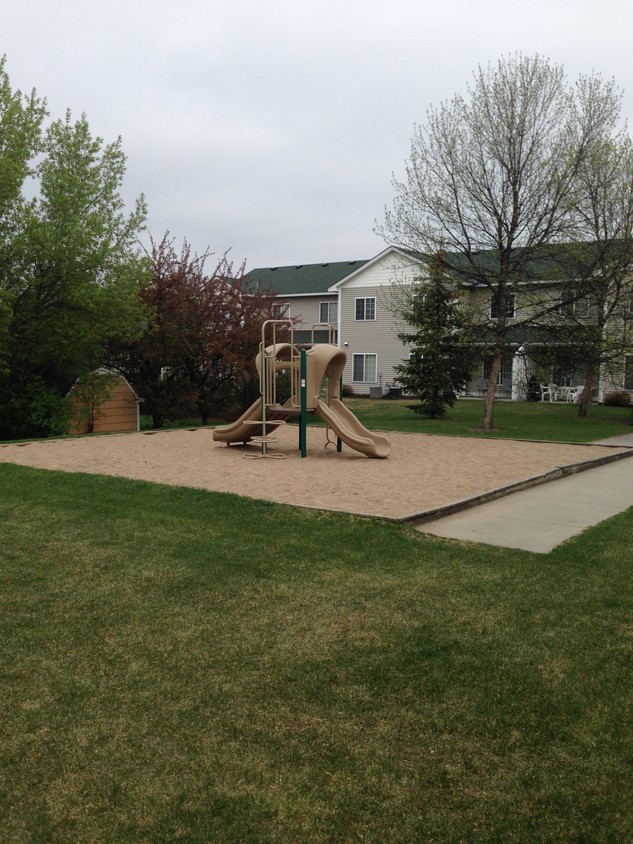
x: 103, y: 403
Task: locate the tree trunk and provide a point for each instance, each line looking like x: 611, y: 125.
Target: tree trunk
x: 489, y: 407
x: 585, y: 398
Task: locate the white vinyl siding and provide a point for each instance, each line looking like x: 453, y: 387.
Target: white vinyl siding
x: 365, y: 368
x: 357, y: 336
x: 306, y: 310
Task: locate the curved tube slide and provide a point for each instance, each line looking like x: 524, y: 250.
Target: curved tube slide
x: 349, y: 428
x: 322, y: 360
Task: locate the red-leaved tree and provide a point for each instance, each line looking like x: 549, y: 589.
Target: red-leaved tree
x: 203, y: 331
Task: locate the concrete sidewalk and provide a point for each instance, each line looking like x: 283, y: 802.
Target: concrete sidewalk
x: 541, y: 517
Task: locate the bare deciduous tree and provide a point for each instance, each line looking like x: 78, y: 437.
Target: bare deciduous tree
x: 491, y: 180
x: 604, y: 219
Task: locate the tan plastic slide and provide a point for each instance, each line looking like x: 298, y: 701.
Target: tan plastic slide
x: 349, y: 428
x: 323, y: 360
x: 245, y: 428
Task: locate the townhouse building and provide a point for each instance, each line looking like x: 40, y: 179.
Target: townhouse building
x: 359, y: 300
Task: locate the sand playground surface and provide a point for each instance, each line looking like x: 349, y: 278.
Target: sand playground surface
x: 424, y: 475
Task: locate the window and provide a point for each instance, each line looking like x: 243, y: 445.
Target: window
x: 509, y: 308
x: 366, y: 308
x: 565, y: 372
x: 365, y: 368
x: 628, y: 372
x: 573, y: 304
x: 328, y: 312
x: 566, y: 378
x: 281, y: 310
x: 505, y: 373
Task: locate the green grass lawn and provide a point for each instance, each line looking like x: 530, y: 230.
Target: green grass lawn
x: 178, y: 665
x: 558, y: 422
x: 516, y: 420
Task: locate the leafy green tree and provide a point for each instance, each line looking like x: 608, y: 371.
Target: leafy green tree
x: 71, y: 268
x: 21, y: 119
x: 440, y: 342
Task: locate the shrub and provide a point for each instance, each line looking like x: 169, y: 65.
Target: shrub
x: 618, y: 398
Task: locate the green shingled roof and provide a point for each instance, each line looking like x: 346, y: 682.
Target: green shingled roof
x: 556, y: 262
x: 302, y: 279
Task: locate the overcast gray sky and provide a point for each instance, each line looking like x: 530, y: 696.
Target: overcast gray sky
x: 273, y: 128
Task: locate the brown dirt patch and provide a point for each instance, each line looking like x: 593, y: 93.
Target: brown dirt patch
x: 422, y: 473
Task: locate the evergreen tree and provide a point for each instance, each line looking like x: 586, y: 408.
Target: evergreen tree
x: 442, y: 355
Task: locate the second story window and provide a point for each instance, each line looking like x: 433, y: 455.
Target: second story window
x: 573, y: 304
x: 365, y: 308
x: 328, y: 312
x: 281, y: 310
x: 509, y: 306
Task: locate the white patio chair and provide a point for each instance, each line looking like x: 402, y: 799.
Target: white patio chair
x: 549, y: 392
x: 575, y: 393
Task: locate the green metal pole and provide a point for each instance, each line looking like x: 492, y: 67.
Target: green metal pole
x: 264, y: 387
x: 303, y: 419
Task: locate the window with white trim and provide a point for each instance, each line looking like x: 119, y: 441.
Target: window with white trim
x: 281, y: 310
x: 564, y: 377
x: 328, y: 312
x: 365, y: 308
x: 574, y: 305
x: 509, y: 306
x: 364, y: 368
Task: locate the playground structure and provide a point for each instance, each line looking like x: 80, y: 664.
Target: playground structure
x: 315, y: 378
